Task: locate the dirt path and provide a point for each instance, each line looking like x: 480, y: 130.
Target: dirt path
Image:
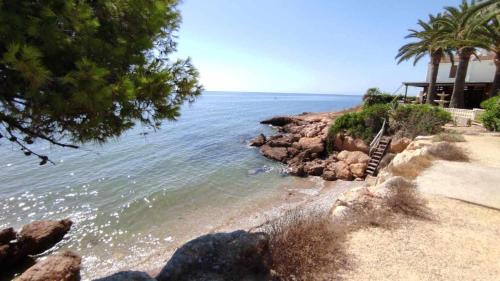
x: 460, y: 242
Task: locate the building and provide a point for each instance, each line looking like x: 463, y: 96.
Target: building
x: 478, y: 82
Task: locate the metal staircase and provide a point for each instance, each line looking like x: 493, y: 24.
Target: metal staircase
x: 377, y: 154
x: 378, y: 148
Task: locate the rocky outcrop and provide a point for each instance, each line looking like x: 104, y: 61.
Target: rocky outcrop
x: 33, y: 239
x: 301, y: 144
x: 127, y: 276
x: 237, y: 255
x: 399, y: 145
x: 62, y: 267
x: 40, y: 236
x: 260, y: 140
x: 344, y: 142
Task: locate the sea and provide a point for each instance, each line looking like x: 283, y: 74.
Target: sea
x: 136, y: 195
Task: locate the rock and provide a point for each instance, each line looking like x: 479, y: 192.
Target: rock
x: 127, y: 276
x: 315, y: 145
x: 342, y: 142
x: 342, y: 171
x: 292, y: 152
x: 6, y: 235
x: 329, y: 175
x: 63, y: 267
x: 358, y: 169
x: 279, y: 121
x: 275, y: 153
x: 353, y: 157
x: 390, y: 187
x: 297, y: 170
x: 314, y: 168
x: 40, y: 236
x: 398, y: 145
x: 282, y: 141
x: 260, y: 140
x: 237, y: 255
x: 407, y: 157
x: 386, y: 160
x: 339, y: 213
x: 419, y: 143
x: 293, y: 128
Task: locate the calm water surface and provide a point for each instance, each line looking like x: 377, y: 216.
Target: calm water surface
x: 148, y: 189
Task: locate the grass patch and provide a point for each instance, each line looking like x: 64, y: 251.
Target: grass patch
x: 448, y: 151
x: 449, y: 137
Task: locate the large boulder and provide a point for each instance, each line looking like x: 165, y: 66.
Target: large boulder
x: 398, y: 145
x: 39, y: 236
x: 260, y: 140
x: 63, y: 267
x: 6, y: 235
x: 342, y: 171
x: 315, y: 145
x: 237, y: 255
x: 282, y: 140
x: 314, y: 168
x: 343, y: 142
x: 279, y: 121
x: 353, y: 157
x: 358, y: 169
x: 275, y: 153
x: 329, y: 175
x: 127, y: 276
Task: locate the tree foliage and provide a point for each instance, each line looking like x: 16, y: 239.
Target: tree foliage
x: 78, y: 71
x: 491, y: 117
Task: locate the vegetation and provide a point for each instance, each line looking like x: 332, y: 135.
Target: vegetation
x: 403, y: 121
x: 491, y: 117
x: 449, y: 137
x: 462, y: 30
x: 448, y: 151
x: 414, y: 120
x: 363, y: 125
x: 79, y: 71
x: 429, y: 42
x: 375, y: 96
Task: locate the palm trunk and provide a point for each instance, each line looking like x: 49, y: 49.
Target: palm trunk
x: 495, y: 87
x: 435, y: 60
x: 457, y: 98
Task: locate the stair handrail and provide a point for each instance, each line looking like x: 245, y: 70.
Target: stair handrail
x: 376, y: 141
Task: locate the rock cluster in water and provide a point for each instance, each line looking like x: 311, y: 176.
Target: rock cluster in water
x: 17, y: 248
x: 301, y: 144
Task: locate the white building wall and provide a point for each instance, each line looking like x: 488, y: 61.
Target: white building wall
x: 478, y: 71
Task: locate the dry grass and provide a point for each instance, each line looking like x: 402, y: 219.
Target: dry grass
x: 301, y: 242
x: 450, y: 136
x: 308, y: 245
x: 448, y: 151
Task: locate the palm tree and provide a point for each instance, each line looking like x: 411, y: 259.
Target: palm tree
x: 465, y: 37
x: 429, y: 42
x: 489, y: 19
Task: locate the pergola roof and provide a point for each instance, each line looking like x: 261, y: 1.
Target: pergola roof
x: 425, y: 84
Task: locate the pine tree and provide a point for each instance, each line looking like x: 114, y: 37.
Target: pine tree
x: 76, y: 71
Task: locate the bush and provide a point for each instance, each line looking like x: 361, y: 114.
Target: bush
x: 449, y: 137
x: 363, y: 125
x: 375, y: 96
x: 491, y: 116
x: 414, y: 120
x: 448, y: 151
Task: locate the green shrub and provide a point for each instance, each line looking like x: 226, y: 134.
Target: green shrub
x: 414, y: 120
x: 375, y: 96
x: 363, y: 125
x: 491, y: 116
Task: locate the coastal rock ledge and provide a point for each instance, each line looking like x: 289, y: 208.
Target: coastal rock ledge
x: 301, y: 143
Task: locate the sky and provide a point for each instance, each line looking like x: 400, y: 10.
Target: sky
x: 299, y: 46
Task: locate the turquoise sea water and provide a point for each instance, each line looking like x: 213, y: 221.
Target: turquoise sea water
x: 148, y: 188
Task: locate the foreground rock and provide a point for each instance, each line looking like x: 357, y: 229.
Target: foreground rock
x: 237, y: 255
x: 63, y: 267
x: 39, y: 236
x: 34, y: 238
x: 128, y: 276
x: 258, y: 141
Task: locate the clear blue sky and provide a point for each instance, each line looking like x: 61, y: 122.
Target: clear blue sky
x: 316, y: 46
